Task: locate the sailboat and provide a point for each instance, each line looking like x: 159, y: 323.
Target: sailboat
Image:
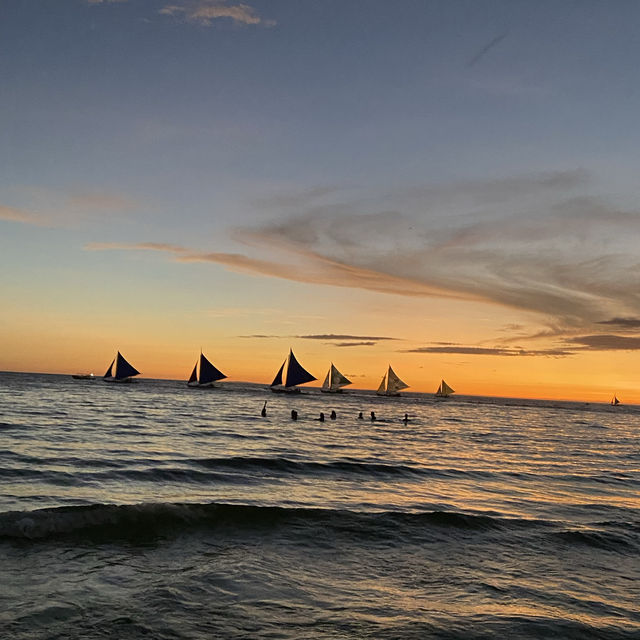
x: 290, y: 374
x: 334, y: 381
x: 444, y: 390
x: 614, y: 401
x: 207, y: 374
x: 390, y: 385
x: 121, y: 372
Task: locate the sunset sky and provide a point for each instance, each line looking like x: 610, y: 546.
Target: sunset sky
x: 450, y: 187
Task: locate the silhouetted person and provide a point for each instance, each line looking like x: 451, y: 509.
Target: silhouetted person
x: 360, y: 417
x: 406, y: 418
x: 263, y: 413
x: 333, y: 415
x: 373, y: 416
x: 294, y: 414
x: 321, y: 418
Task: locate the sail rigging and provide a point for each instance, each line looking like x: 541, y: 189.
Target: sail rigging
x: 391, y: 384
x: 207, y: 374
x: 334, y: 380
x: 123, y: 370
x: 444, y: 390
x: 290, y: 374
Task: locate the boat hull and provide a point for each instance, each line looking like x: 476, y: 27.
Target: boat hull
x: 288, y: 390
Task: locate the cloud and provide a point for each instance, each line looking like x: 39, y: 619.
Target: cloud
x: 334, y: 336
x: 488, y: 351
x: 607, y: 342
x: 622, y: 323
x: 204, y: 12
x: 536, y: 243
x: 138, y: 246
x: 354, y: 344
x: 12, y: 214
x: 336, y: 340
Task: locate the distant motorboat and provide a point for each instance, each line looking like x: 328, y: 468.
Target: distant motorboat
x: 334, y: 381
x: 289, y: 375
x: 120, y: 370
x: 83, y: 376
x: 391, y: 385
x: 204, y: 374
x: 444, y: 390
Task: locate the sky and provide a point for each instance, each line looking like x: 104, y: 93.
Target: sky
x: 449, y: 187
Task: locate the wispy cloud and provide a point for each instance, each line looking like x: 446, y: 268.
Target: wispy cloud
x: 491, y: 351
x: 354, y: 344
x: 534, y: 243
x: 12, y: 214
x: 334, y: 339
x: 335, y: 336
x: 622, y: 323
x: 607, y: 342
x: 205, y: 12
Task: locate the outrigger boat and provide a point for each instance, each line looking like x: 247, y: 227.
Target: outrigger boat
x: 121, y: 372
x: 204, y: 374
x: 334, y: 381
x: 289, y: 375
x: 391, y: 385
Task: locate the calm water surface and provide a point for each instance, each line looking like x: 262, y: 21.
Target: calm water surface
x: 155, y: 511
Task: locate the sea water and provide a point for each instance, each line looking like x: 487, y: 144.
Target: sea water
x: 152, y: 510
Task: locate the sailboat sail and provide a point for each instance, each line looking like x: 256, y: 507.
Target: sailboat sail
x: 291, y: 373
x: 278, y: 379
x: 615, y: 400
x: 207, y: 375
x: 444, y: 390
x: 391, y: 384
x: 334, y: 380
x: 122, y: 370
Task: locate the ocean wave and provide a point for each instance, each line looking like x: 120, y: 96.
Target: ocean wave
x: 153, y: 519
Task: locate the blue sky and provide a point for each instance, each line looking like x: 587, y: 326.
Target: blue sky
x: 477, y: 151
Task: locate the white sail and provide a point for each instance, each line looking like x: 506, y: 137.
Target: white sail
x: 391, y: 384
x: 444, y: 390
x: 334, y: 380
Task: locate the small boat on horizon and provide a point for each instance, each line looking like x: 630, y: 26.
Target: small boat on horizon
x: 614, y: 401
x: 83, y: 376
x: 444, y: 390
x: 121, y: 372
x: 204, y: 374
x: 289, y: 375
x: 391, y: 385
x: 334, y: 381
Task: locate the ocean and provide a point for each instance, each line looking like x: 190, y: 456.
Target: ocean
x: 152, y: 510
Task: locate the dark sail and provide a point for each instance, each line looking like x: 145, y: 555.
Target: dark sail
x: 208, y: 373
x: 193, y: 377
x: 278, y: 379
x: 109, y: 374
x: 296, y: 374
x: 124, y: 369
